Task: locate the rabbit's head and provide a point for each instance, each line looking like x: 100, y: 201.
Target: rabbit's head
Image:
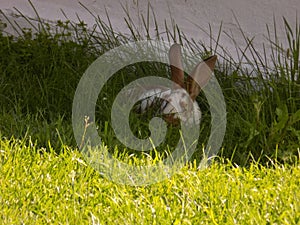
x: 181, y: 104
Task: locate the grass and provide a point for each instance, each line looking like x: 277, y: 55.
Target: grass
x: 42, y: 187
x: 41, y: 68
x: 44, y: 179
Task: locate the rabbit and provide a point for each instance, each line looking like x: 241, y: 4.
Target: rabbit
x: 179, y: 103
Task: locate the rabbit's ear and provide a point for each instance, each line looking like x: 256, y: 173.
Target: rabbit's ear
x: 177, y: 74
x: 200, y: 76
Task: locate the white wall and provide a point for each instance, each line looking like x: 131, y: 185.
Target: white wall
x: 252, y: 15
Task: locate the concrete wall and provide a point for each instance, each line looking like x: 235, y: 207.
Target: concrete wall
x: 252, y: 15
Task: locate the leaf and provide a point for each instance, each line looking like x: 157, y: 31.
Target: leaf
x: 295, y: 117
x: 282, y: 118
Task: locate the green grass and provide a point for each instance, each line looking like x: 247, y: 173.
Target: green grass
x: 42, y: 187
x: 45, y: 180
x: 41, y: 68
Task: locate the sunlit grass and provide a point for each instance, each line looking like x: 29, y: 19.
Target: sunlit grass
x: 39, y: 187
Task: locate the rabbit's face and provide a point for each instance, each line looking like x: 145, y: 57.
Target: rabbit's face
x: 179, y: 106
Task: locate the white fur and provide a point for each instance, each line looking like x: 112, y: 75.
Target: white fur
x: 176, y: 102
